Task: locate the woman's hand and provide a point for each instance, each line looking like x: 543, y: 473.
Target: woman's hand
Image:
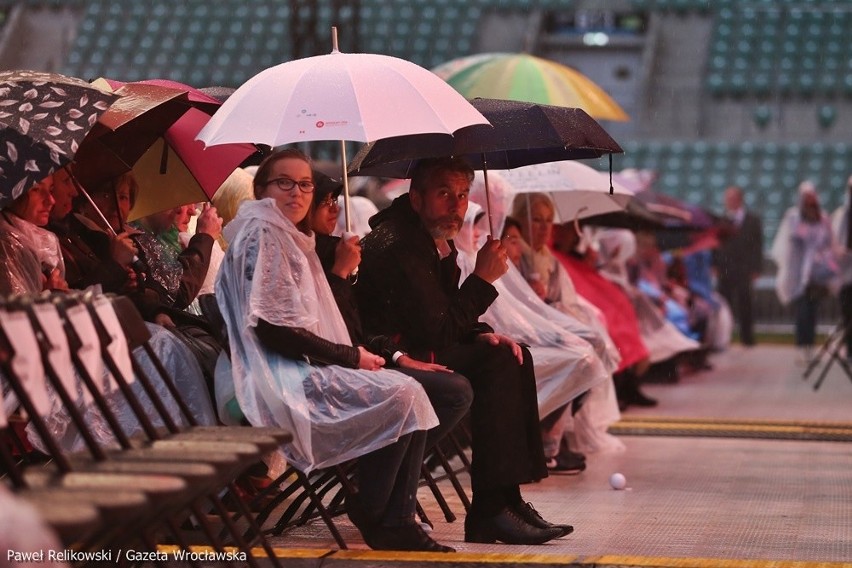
x: 369, y: 361
x: 53, y: 280
x: 347, y: 256
x: 538, y: 288
x: 209, y: 221
x: 164, y: 320
x: 122, y: 248
x: 133, y: 280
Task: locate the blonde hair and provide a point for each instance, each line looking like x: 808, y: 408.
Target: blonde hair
x: 523, y: 205
x: 233, y: 191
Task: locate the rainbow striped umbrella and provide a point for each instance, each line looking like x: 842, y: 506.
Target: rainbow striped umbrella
x: 524, y: 77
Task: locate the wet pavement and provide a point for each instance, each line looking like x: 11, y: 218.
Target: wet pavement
x: 741, y: 465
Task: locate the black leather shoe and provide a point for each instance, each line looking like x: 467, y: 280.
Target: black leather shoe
x: 407, y: 537
x: 571, y: 463
x: 507, y: 526
x: 361, y: 519
x: 640, y: 399
x: 528, y: 513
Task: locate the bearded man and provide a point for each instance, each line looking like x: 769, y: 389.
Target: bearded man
x: 408, y: 289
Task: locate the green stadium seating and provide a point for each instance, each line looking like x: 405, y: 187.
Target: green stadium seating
x: 699, y: 171
x: 791, y: 48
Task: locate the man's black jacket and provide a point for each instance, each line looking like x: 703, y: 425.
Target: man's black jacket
x: 407, y: 292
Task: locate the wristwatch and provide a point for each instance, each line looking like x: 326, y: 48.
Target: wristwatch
x: 396, y: 356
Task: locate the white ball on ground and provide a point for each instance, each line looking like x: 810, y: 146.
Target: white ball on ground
x: 618, y: 481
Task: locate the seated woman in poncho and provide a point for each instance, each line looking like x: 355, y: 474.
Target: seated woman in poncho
x: 293, y: 365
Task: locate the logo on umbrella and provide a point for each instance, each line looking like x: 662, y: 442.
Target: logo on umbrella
x: 321, y: 124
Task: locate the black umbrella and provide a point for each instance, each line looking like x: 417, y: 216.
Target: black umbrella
x: 43, y: 119
x: 520, y: 134
x: 636, y: 217
x: 217, y: 92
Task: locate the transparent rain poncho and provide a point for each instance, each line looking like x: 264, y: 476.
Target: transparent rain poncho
x: 805, y: 254
x: 565, y: 365
x: 840, y: 228
x: 175, y: 357
x: 662, y: 339
x: 26, y: 251
x: 572, y: 313
x: 271, y: 272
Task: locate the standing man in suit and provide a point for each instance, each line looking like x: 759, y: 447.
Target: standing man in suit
x: 739, y: 260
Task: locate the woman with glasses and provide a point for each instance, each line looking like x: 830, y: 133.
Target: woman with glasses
x: 293, y: 364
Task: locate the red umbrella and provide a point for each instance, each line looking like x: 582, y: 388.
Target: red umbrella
x: 173, y: 168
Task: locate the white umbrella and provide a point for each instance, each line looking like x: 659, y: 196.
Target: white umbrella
x: 577, y: 190
x: 361, y: 97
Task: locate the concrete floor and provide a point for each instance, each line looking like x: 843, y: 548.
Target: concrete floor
x: 691, y: 500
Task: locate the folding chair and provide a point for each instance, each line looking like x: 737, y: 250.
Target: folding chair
x: 833, y: 348
x: 26, y: 376
x: 203, y: 469
x: 320, y: 494
x: 308, y: 496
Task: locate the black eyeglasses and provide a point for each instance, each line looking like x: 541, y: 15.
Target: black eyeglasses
x: 329, y: 201
x: 286, y: 184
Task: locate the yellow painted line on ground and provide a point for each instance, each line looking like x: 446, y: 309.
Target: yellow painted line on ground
x: 729, y: 426
x: 767, y: 429
x: 755, y: 421
x: 392, y: 558
x: 663, y: 562
x: 455, y: 557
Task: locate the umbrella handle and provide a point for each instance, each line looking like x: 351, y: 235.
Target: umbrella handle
x: 488, y: 197
x: 97, y: 210
x: 109, y: 228
x: 345, y: 178
x: 346, y: 236
x: 577, y: 229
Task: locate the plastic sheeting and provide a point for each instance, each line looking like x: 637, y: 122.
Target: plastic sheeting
x: 565, y: 365
x: 271, y: 272
x: 804, y: 253
x: 26, y: 252
x: 178, y: 362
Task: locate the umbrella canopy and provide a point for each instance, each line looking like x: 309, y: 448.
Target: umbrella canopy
x: 174, y: 169
x: 520, y: 134
x: 677, y: 214
x: 43, y: 119
x: 635, y: 216
x: 339, y: 96
x: 127, y: 129
x: 673, y: 213
x: 524, y: 77
x: 178, y: 169
x: 198, y: 97
x: 219, y: 93
x: 577, y: 190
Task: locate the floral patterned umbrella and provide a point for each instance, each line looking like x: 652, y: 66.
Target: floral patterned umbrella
x: 43, y: 118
